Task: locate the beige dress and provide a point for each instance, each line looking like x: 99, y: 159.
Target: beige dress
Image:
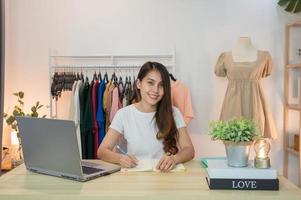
x: 244, y: 95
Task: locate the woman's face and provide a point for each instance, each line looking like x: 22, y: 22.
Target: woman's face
x: 151, y: 88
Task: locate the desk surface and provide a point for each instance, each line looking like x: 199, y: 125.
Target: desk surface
x: 191, y: 184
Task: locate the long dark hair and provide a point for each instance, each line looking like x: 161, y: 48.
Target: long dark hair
x: 168, y: 131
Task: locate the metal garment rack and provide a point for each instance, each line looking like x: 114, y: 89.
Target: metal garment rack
x: 115, y: 63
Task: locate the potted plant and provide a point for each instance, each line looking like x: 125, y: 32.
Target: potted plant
x: 18, y: 111
x: 237, y: 135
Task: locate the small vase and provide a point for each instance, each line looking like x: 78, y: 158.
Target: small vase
x: 237, y: 153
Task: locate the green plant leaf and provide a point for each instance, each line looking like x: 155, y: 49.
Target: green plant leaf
x: 17, y: 108
x: 21, y: 94
x: 33, y: 109
x: 235, y: 130
x: 283, y: 2
x: 10, y: 120
x: 14, y: 126
x: 291, y: 5
x: 298, y: 7
x: 16, y: 113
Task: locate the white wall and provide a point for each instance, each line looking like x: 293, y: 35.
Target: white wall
x: 199, y: 30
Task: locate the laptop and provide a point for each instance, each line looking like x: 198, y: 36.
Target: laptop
x: 50, y: 147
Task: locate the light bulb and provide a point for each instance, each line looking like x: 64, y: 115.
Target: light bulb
x: 262, y: 148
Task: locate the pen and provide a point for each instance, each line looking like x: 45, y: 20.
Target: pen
x: 124, y: 153
x: 121, y: 150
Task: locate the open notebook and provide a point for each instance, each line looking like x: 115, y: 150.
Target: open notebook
x: 146, y: 165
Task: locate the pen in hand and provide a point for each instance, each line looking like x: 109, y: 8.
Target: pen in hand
x: 127, y: 160
x: 120, y: 150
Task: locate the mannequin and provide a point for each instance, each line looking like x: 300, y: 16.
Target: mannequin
x: 244, y: 51
x: 244, y: 67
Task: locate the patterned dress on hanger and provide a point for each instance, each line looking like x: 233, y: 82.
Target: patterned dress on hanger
x: 244, y: 95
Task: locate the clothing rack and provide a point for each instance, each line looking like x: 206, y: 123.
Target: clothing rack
x: 115, y: 63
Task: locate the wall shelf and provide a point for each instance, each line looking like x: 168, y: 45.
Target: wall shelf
x: 293, y: 65
x: 289, y: 70
x: 293, y: 107
x: 293, y: 151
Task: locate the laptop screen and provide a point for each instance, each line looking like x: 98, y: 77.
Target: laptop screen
x: 50, y: 144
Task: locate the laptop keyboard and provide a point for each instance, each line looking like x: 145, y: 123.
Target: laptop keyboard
x: 90, y: 170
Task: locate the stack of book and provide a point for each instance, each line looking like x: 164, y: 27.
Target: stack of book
x: 222, y: 176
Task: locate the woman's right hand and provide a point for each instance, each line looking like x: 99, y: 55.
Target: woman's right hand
x: 128, y: 161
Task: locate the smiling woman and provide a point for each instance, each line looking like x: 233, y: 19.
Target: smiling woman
x: 153, y: 128
x: 1, y: 71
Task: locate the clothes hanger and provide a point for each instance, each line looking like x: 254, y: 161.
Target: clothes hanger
x: 120, y: 82
x: 130, y: 82
x: 115, y: 80
x: 82, y: 76
x: 105, y: 77
x: 113, y: 77
x: 126, y: 82
x: 99, y: 76
x: 94, y: 76
x: 172, y: 77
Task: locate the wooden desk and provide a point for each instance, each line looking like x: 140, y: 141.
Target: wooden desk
x: 22, y: 184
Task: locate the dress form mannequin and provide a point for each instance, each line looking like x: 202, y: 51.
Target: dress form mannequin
x: 244, y: 51
x: 244, y: 67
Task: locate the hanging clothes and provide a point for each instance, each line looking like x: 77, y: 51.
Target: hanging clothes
x: 61, y: 82
x: 76, y: 117
x: 115, y: 103
x: 128, y: 93
x: 181, y: 98
x: 106, y: 101
x: 109, y: 105
x: 100, y: 113
x: 86, y: 121
x: 94, y: 109
x: 89, y: 127
x: 72, y: 105
x: 124, y: 101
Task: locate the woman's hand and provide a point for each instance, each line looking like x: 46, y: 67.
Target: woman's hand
x: 128, y: 161
x: 166, y: 163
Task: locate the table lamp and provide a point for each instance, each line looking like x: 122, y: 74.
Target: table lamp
x: 262, y: 148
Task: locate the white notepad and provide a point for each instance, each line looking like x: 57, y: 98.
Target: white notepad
x: 147, y: 165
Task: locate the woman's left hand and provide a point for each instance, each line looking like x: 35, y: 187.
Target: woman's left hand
x: 166, y: 163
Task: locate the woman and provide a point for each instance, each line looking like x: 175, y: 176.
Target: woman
x: 152, y: 127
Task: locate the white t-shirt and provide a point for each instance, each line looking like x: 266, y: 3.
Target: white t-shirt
x: 140, y: 130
